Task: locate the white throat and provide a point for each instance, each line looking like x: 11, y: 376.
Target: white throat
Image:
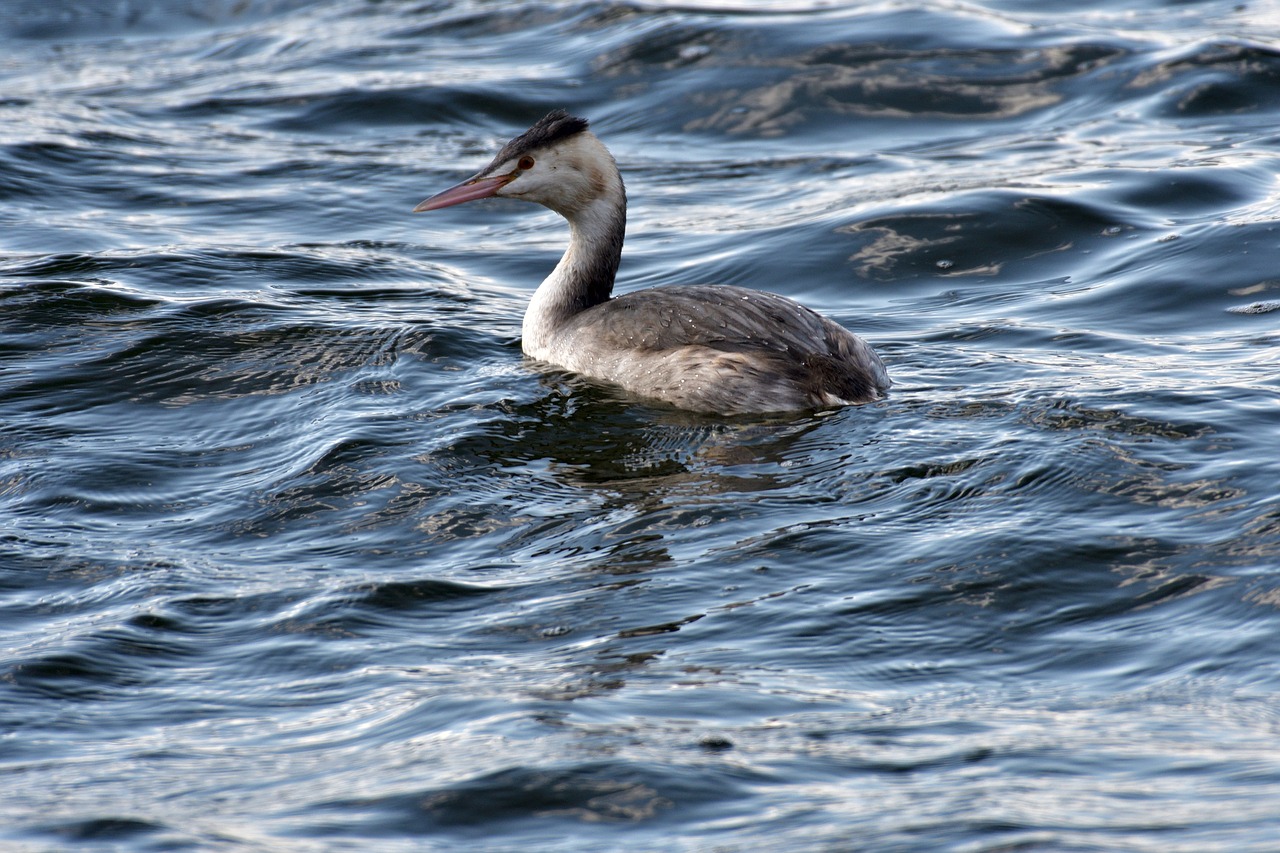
x: 585, y: 275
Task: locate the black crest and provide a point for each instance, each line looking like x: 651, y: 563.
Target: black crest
x: 551, y: 128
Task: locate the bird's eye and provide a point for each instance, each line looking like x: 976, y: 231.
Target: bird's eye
x: 526, y: 163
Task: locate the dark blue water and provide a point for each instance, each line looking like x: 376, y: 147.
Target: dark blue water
x: 296, y: 553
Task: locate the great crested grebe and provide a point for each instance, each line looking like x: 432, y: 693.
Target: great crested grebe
x: 709, y: 348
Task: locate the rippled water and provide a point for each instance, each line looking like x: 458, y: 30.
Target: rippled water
x: 297, y: 553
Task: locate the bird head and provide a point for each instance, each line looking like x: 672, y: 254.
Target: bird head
x: 557, y: 163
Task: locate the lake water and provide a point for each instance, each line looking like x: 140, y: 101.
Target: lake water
x: 297, y: 553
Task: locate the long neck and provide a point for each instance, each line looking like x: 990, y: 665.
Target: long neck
x: 584, y: 277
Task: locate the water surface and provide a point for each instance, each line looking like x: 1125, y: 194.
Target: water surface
x: 297, y: 553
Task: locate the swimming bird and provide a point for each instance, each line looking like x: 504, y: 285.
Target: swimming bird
x: 709, y: 348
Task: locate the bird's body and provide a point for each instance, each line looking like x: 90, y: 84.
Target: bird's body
x: 708, y: 348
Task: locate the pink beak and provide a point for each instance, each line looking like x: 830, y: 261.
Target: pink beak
x: 469, y: 190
